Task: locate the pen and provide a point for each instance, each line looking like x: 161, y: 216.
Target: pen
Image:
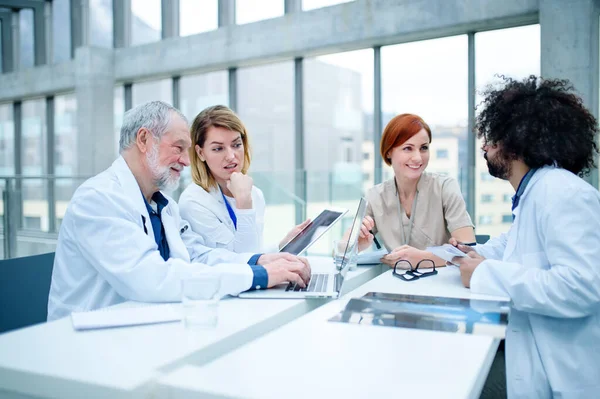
x: 375, y: 240
x: 470, y: 244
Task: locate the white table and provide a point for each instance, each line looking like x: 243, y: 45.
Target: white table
x: 314, y: 358
x: 53, y: 360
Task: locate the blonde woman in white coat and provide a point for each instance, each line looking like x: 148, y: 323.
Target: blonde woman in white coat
x: 222, y: 203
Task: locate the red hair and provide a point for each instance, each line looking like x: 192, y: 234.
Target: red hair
x: 399, y: 130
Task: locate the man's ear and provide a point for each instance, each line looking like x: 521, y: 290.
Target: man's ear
x: 142, y: 138
x: 199, y: 153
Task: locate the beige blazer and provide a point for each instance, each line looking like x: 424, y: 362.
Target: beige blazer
x: 440, y: 210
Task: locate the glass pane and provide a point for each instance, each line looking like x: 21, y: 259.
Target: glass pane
x: 513, y: 52
x: 197, y: 16
x: 338, y: 126
x: 146, y: 23
x: 61, y: 30
x: 101, y: 23
x: 149, y: 91
x: 65, y: 158
x: 26, y: 38
x: 119, y: 111
x: 247, y: 11
x: 312, y: 4
x: 33, y: 160
x: 429, y: 79
x: 266, y: 106
x: 65, y: 131
x: 200, y: 91
x: 1, y: 52
x: 7, y: 140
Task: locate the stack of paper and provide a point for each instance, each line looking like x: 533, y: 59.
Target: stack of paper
x: 371, y: 258
x: 126, y: 316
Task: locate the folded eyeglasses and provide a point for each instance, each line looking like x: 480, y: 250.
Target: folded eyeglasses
x: 413, y: 273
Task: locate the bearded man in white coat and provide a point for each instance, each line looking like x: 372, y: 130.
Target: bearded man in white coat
x: 539, y: 137
x: 123, y: 239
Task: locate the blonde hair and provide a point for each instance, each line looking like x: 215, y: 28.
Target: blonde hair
x: 219, y: 116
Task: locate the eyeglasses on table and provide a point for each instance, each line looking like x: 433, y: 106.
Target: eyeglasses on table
x: 414, y: 273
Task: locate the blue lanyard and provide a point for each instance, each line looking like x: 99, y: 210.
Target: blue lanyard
x: 230, y: 210
x: 522, y: 186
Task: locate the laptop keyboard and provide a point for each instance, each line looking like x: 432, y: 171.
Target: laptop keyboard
x: 317, y: 283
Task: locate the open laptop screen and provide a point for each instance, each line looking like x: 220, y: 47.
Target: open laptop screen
x: 313, y: 231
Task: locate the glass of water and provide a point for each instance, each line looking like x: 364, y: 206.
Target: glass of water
x: 200, y: 300
x: 344, y: 255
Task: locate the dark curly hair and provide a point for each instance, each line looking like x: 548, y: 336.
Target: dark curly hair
x: 541, y: 122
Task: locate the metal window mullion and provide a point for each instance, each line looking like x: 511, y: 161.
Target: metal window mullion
x: 121, y: 23
x: 300, y: 172
x: 232, y: 88
x: 39, y: 35
x: 175, y: 81
x: 377, y: 115
x: 471, y: 138
x: 128, y: 96
x: 50, y: 162
x: 18, y: 186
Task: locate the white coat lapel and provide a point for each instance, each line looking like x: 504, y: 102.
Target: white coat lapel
x: 518, y: 223
x: 217, y: 205
x: 177, y: 248
x: 132, y: 191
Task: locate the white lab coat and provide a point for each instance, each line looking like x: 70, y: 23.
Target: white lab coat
x: 207, y: 214
x: 104, y: 257
x: 549, y: 265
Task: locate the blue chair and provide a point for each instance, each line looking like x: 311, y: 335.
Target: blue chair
x: 24, y: 288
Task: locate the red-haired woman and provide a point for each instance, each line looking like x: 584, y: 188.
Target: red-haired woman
x: 415, y: 209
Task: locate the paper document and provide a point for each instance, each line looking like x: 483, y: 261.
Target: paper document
x: 446, y: 252
x: 127, y: 316
x: 371, y: 258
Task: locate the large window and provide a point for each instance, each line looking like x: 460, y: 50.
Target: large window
x: 338, y: 125
x: 61, y: 30
x: 265, y: 104
x: 65, y: 132
x: 152, y: 90
x: 513, y: 52
x: 312, y: 4
x: 146, y: 25
x: 101, y: 23
x: 247, y: 11
x: 65, y: 151
x: 197, y: 16
x: 33, y: 160
x: 7, y: 140
x: 119, y: 111
x: 429, y: 78
x: 338, y: 133
x: 200, y: 91
x: 26, y: 57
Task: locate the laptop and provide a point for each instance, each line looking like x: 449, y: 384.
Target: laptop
x: 313, y: 231
x: 321, y: 285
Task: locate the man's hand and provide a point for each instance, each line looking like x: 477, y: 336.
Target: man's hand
x: 468, y: 264
x: 365, y: 238
x: 266, y: 259
x: 405, y: 252
x: 284, y: 270
x: 240, y: 186
x: 293, y: 233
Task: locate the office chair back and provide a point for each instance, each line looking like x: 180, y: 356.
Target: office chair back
x: 481, y: 238
x: 24, y: 288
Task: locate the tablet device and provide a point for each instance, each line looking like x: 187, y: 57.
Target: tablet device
x: 313, y: 231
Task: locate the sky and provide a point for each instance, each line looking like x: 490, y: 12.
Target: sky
x: 428, y: 78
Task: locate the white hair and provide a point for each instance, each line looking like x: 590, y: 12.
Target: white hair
x: 154, y: 116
